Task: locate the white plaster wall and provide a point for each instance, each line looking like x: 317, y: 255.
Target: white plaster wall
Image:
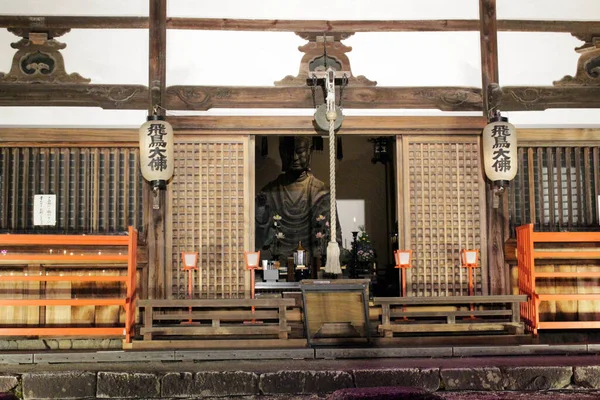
x: 214, y: 57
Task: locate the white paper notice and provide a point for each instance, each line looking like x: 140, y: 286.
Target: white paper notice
x: 44, y: 209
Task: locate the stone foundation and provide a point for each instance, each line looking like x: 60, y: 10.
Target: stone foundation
x: 428, y: 383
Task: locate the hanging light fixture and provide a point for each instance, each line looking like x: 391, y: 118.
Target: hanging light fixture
x: 156, y: 151
x: 380, y: 150
x: 500, y: 151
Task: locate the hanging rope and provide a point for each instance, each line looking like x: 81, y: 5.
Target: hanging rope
x: 333, y: 250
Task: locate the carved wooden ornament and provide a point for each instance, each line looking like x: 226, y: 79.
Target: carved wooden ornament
x: 38, y: 60
x: 324, y: 50
x: 588, y: 65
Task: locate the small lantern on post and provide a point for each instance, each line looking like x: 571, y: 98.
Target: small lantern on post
x: 499, y: 140
x: 403, y: 259
x: 470, y: 259
x: 156, y: 153
x: 190, y: 261
x: 252, y: 259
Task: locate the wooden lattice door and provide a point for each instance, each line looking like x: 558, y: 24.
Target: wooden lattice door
x: 210, y: 213
x: 442, y: 198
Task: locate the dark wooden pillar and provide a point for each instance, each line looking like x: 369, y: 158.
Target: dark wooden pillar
x: 155, y: 217
x: 495, y: 205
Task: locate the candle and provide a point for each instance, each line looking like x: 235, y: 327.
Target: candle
x: 354, y: 219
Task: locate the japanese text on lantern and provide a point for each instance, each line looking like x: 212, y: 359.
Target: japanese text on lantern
x: 501, y: 156
x: 157, y: 145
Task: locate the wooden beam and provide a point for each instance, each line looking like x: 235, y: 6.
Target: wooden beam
x: 551, y: 137
x: 289, y: 125
x: 69, y: 137
x: 534, y: 98
x: 206, y: 97
x: 236, y: 125
x: 123, y: 97
x: 352, y: 125
x: 202, y: 98
x: 446, y: 25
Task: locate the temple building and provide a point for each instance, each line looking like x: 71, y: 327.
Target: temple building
x: 289, y: 175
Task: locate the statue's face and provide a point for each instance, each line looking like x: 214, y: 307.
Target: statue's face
x: 295, y: 154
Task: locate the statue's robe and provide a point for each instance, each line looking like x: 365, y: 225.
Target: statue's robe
x: 299, y: 202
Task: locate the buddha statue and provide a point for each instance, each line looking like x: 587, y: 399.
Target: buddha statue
x: 295, y: 206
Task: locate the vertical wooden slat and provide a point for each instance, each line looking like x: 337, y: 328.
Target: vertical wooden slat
x: 239, y: 214
x: 569, y: 172
x: 202, y: 199
x: 126, y: 187
x: 46, y: 168
x: 587, y: 211
x: 67, y: 183
x: 460, y: 244
x: 116, y: 186
x: 227, y: 196
x: 421, y: 216
x: 596, y: 166
x: 578, y: 186
x: 55, y: 166
x: 5, y: 185
x: 222, y: 217
x: 174, y: 255
x: 210, y: 278
x: 446, y: 216
x: 26, y: 201
x: 551, y: 175
x: 76, y: 178
x: 105, y: 174
x: 522, y: 186
x: 136, y: 206
x: 559, y: 188
x: 87, y: 215
x: 15, y: 188
x: 540, y: 184
x: 188, y: 220
x: 531, y: 182
x: 95, y: 222
x: 35, y: 185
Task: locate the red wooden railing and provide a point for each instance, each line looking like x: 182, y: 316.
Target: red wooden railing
x: 23, y: 258
x: 527, y: 253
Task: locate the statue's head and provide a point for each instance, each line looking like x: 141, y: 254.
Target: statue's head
x: 295, y: 153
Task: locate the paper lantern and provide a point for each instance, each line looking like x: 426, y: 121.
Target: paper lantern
x: 156, y: 151
x: 500, y: 151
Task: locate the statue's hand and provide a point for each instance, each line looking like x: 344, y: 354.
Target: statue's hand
x: 261, y: 199
x: 262, y: 210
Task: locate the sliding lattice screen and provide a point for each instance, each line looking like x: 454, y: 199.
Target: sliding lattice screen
x: 443, y: 200
x: 210, y: 214
x: 98, y: 190
x: 556, y: 188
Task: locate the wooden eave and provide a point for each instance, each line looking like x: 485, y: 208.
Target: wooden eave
x: 39, y: 23
x: 200, y: 98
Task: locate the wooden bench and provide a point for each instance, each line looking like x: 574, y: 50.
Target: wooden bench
x: 215, y: 318
x: 490, y: 313
x: 85, y: 255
